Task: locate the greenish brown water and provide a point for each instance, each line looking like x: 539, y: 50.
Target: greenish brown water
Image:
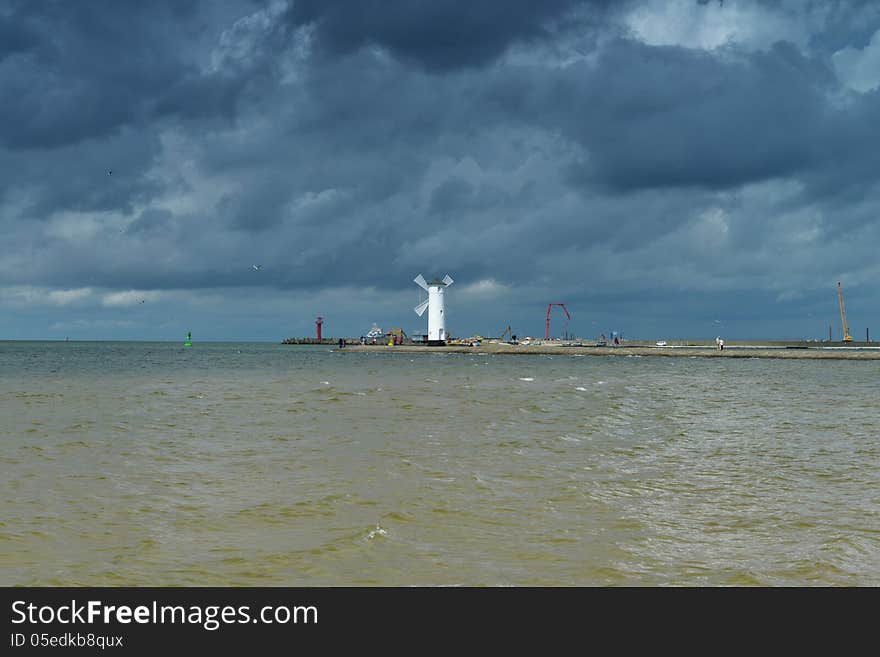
x: 249, y: 464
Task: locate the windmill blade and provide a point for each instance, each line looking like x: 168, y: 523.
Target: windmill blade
x: 420, y: 309
x: 447, y: 280
x: 421, y: 282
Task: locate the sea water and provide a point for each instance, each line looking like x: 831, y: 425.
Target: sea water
x: 264, y: 464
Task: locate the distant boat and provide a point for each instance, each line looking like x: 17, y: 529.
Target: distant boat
x: 661, y: 343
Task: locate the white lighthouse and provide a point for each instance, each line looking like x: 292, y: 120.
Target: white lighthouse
x: 436, y: 307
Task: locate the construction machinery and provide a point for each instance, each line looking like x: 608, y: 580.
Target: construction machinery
x: 846, y: 336
x: 506, y: 333
x: 567, y: 315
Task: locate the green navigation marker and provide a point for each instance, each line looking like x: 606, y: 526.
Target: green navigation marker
x: 189, y: 339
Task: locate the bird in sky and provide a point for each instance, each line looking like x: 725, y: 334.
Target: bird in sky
x: 109, y: 172
x: 257, y: 267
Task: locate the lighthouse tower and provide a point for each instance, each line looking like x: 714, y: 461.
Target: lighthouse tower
x: 435, y: 306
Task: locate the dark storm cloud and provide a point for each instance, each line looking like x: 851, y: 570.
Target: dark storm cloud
x: 200, y: 96
x: 258, y: 206
x: 643, y: 117
x: 844, y: 23
x: 437, y: 34
x: 15, y: 37
x: 76, y: 177
x: 87, y: 69
x: 668, y: 116
x: 76, y: 71
x: 450, y: 195
x: 92, y: 82
x: 150, y: 221
x: 542, y: 145
x: 847, y: 155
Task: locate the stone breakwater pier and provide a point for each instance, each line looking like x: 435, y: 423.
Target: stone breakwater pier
x: 768, y: 350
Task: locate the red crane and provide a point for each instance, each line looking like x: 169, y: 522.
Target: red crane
x: 318, y: 323
x: 564, y: 309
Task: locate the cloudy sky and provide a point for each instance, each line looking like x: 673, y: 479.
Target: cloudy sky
x: 665, y: 168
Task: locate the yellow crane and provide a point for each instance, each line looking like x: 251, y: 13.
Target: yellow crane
x: 846, y: 336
